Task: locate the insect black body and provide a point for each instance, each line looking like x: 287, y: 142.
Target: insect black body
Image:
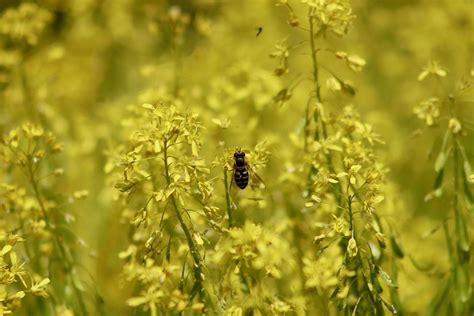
x: 241, y: 172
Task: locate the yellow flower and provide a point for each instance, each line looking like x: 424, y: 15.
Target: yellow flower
x: 25, y: 23
x: 428, y: 111
x: 434, y: 69
x: 454, y: 125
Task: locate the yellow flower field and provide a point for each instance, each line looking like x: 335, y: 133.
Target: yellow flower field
x: 205, y: 157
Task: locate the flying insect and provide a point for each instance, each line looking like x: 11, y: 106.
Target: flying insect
x: 241, y: 170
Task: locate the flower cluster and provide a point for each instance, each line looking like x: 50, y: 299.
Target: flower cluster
x: 17, y: 280
x: 247, y: 260
x: 453, y: 148
x: 25, y: 23
x: 334, y: 16
x: 168, y: 201
x: 345, y: 181
x: 35, y: 218
x: 428, y: 111
x: 139, y: 212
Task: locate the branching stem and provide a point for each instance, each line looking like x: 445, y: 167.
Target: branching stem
x: 317, y: 117
x: 62, y: 251
x: 197, y: 267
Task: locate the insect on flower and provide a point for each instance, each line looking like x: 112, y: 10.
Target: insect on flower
x: 241, y: 170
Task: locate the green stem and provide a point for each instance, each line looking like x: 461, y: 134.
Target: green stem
x: 456, y: 178
x: 313, y: 56
x: 307, y: 129
x: 449, y: 246
x: 66, y: 259
x: 27, y: 94
x: 192, y: 247
x: 461, y: 234
x: 351, y: 224
x: 318, y: 119
x: 359, y: 256
x: 227, y: 198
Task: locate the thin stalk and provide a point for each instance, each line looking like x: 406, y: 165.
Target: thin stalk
x: 296, y: 240
x: 227, y: 198
x: 393, y: 291
x: 359, y: 257
x: 177, y: 68
x: 65, y: 256
x: 460, y: 230
x: 351, y: 224
x: 27, y: 94
x: 313, y: 56
x: 456, y: 179
x: 192, y: 247
x: 307, y: 129
x: 318, y: 119
x: 449, y: 246
x: 452, y: 260
x: 296, y: 217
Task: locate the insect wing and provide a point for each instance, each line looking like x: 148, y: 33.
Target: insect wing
x: 256, y: 178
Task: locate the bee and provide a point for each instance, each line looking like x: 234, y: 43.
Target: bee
x: 241, y: 170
